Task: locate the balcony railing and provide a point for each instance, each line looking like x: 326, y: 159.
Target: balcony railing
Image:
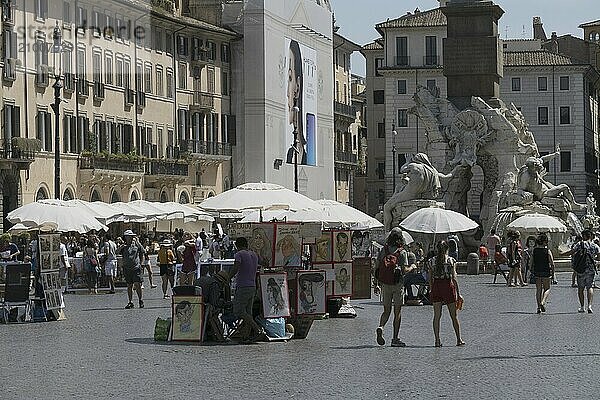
x: 161, y: 167
x: 431, y: 61
x: 402, y: 61
x: 129, y: 96
x: 202, y: 147
x: 346, y: 156
x: 141, y: 99
x: 344, y: 109
x: 69, y: 82
x: 110, y: 164
x: 203, y: 100
x: 10, y: 69
x: 42, y: 78
x: 83, y: 87
x: 99, y: 91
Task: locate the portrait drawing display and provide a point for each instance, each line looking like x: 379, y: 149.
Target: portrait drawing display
x: 274, y: 295
x: 188, y: 318
x: 311, y: 292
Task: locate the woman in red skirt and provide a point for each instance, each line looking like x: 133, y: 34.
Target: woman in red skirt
x: 444, y: 290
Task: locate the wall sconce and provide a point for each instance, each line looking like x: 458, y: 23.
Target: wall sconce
x: 277, y: 163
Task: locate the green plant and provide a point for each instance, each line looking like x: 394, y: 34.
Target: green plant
x: 26, y: 144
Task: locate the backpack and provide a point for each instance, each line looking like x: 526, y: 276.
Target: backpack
x: 389, y: 272
x: 582, y: 259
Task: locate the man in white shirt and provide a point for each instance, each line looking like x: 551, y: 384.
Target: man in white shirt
x: 199, y: 250
x: 110, y: 263
x: 65, y: 266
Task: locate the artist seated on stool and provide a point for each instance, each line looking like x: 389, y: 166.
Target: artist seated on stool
x: 216, y: 292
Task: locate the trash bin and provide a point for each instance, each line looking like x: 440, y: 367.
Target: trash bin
x: 472, y: 264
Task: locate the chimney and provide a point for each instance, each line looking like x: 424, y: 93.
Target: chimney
x: 554, y: 43
x: 443, y: 3
x: 538, y: 29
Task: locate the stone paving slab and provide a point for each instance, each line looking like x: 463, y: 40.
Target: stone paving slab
x: 103, y: 351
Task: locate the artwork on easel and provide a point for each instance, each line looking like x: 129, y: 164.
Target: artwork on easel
x: 321, y: 250
x: 311, y: 292
x: 274, y: 294
x: 343, y: 279
x: 54, y: 299
x: 188, y: 318
x: 48, y: 257
x: 342, y: 248
x: 288, y: 248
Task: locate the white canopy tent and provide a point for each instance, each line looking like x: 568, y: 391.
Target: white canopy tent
x: 56, y: 217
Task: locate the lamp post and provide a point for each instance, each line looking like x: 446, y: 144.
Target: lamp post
x: 57, y: 50
x: 296, y: 147
x: 394, y: 134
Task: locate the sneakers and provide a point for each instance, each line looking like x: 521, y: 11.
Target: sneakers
x: 590, y: 310
x: 380, y: 339
x: 166, y: 296
x: 152, y: 286
x: 581, y: 310
x: 129, y: 305
x: 141, y: 303
x: 398, y: 343
x: 542, y: 308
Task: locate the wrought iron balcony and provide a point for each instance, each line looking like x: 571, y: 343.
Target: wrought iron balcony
x: 99, y: 91
x: 344, y: 109
x: 346, y: 156
x: 10, y: 69
x: 203, y: 101
x: 69, y: 82
x: 165, y: 167
x: 141, y: 99
x: 402, y: 61
x: 20, y: 151
x: 113, y: 164
x: 431, y: 61
x: 208, y: 148
x: 42, y: 77
x: 129, y: 96
x: 83, y: 87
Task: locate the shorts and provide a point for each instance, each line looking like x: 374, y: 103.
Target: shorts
x: 585, y: 280
x: 393, y: 293
x: 133, y: 275
x: 110, y: 268
x: 167, y: 269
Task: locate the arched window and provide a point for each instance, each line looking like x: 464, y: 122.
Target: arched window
x: 95, y: 196
x: 115, y: 197
x: 134, y: 196
x: 41, y: 194
x: 163, y: 197
x: 68, y: 194
x: 184, y: 198
x: 211, y: 194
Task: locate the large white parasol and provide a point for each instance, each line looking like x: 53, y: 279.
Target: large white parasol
x: 260, y: 196
x: 437, y: 220
x: 537, y: 223
x: 341, y: 215
x: 49, y: 216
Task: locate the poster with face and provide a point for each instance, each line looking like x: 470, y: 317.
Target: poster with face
x: 260, y: 240
x: 188, y: 317
x: 321, y: 250
x: 45, y: 242
x: 361, y: 244
x: 343, y: 279
x: 301, y: 103
x: 311, y: 292
x: 342, y: 250
x: 55, y: 243
x: 274, y: 293
x: 288, y: 248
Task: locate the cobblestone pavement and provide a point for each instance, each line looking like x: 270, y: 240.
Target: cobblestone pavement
x: 105, y: 351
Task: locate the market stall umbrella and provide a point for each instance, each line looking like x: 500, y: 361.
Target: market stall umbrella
x: 182, y: 211
x: 437, y: 220
x: 536, y: 223
x: 60, y: 218
x: 20, y: 228
x: 103, y: 212
x: 303, y: 216
x: 339, y: 214
x: 260, y: 196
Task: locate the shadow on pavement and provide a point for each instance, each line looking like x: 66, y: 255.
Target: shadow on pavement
x: 123, y: 308
x: 534, y: 313
x: 360, y: 347
x: 151, y: 341
x: 482, y: 358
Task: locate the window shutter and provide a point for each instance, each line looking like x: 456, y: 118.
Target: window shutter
x: 48, y: 132
x: 16, y: 122
x: 231, y: 130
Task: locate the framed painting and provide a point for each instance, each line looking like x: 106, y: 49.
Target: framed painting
x: 342, y: 246
x: 342, y: 285
x: 361, y: 278
x: 188, y: 318
x: 261, y: 241
x: 321, y: 250
x: 288, y: 248
x: 311, y: 296
x: 274, y: 295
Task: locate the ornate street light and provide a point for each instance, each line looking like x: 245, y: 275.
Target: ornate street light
x: 296, y: 147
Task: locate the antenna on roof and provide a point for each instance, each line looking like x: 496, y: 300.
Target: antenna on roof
x: 524, y: 33
x: 506, y: 32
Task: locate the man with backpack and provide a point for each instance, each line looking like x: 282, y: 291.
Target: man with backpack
x: 585, y: 253
x: 392, y: 264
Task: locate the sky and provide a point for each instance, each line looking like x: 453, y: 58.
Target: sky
x: 357, y: 18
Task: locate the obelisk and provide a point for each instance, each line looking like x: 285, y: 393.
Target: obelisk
x: 472, y: 51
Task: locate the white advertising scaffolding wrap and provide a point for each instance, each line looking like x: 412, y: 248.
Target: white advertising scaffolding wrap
x: 301, y: 92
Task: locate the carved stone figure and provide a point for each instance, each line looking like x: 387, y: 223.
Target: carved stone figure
x: 531, y: 184
x: 468, y: 131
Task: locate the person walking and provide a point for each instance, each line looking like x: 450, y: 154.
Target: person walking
x: 392, y: 264
x: 492, y: 241
x: 244, y: 269
x: 584, y: 256
x: 514, y: 254
x: 110, y: 263
x: 166, y: 260
x: 541, y: 264
x: 189, y: 267
x: 146, y: 265
x: 444, y: 291
x: 528, y: 275
x: 133, y: 255
x: 90, y: 265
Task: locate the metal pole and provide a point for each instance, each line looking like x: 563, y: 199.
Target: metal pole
x: 296, y: 148
x: 56, y: 107
x: 393, y: 158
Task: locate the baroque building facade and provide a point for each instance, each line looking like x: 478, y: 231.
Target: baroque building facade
x: 146, y: 101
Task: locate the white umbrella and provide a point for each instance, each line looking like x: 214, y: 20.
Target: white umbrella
x: 536, y: 223
x: 260, y: 196
x: 337, y: 213
x: 437, y: 220
x: 62, y: 218
x: 20, y: 228
x: 182, y: 211
x: 287, y: 215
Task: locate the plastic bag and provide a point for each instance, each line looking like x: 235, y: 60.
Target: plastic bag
x: 161, y: 329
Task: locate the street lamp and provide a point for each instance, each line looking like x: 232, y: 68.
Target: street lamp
x: 57, y: 50
x: 296, y: 110
x: 394, y: 134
